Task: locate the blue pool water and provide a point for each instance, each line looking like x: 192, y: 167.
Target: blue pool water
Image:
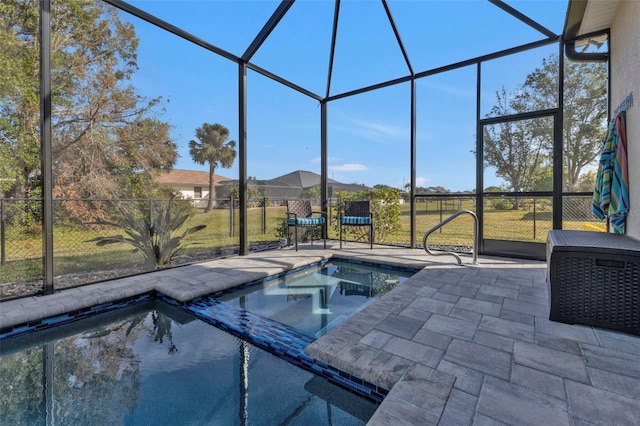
x: 315, y: 300
x: 157, y: 365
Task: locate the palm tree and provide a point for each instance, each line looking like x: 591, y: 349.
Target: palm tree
x: 211, y: 148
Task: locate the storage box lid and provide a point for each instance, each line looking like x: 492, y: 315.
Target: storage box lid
x: 586, y: 241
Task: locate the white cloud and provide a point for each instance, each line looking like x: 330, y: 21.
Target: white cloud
x: 371, y: 130
x: 377, y: 131
x: 422, y: 181
x: 447, y: 88
x: 348, y: 167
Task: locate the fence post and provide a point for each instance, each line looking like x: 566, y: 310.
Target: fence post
x: 231, y: 209
x: 441, y: 215
x: 534, y: 218
x: 2, y: 248
x: 264, y: 215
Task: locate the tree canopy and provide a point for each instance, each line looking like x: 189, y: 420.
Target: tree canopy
x: 521, y: 151
x: 108, y: 141
x: 212, y: 147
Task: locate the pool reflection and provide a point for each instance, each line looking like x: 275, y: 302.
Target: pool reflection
x: 156, y: 365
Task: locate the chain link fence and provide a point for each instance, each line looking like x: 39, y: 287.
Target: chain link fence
x: 576, y: 214
x: 527, y: 219
x: 82, y: 227
x: 99, y: 239
x: 518, y: 218
x: 21, y: 244
x: 430, y: 211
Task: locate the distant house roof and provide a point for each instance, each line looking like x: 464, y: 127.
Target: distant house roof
x: 282, y: 186
x: 188, y: 177
x: 299, y: 179
x: 304, y: 179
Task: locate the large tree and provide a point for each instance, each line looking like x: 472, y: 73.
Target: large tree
x: 517, y: 149
x: 106, y: 137
x: 212, y: 147
x: 585, y: 111
x: 520, y: 151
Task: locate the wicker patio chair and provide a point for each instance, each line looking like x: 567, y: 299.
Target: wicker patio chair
x: 300, y: 214
x: 357, y: 213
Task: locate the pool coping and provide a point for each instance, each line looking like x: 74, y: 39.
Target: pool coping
x: 184, y: 283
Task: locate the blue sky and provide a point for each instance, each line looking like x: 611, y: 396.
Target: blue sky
x: 369, y: 133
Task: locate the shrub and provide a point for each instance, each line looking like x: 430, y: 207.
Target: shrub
x: 157, y: 238
x: 502, y: 204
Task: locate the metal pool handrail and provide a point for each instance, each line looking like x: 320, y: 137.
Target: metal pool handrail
x: 444, y: 222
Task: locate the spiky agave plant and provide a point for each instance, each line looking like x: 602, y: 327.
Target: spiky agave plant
x: 156, y: 237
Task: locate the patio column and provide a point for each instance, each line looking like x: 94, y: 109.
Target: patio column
x: 46, y: 150
x: 412, y: 207
x: 242, y: 155
x: 479, y: 161
x: 323, y: 163
x: 558, y: 144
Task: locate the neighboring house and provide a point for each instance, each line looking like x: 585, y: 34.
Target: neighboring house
x: 192, y: 184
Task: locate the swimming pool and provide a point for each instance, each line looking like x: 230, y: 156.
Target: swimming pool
x: 154, y: 364
x: 315, y: 300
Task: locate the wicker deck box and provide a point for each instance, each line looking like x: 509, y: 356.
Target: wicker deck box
x: 594, y: 279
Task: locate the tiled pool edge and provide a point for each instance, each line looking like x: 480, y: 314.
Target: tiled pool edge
x: 279, y: 339
x: 413, y: 269
x: 73, y: 316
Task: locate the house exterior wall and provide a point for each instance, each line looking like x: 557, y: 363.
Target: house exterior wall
x: 187, y: 190
x: 625, y: 79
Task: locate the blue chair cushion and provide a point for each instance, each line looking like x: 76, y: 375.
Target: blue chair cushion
x: 355, y: 220
x: 306, y: 221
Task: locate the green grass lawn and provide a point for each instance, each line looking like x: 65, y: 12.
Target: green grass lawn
x: 514, y: 225
x: 74, y: 253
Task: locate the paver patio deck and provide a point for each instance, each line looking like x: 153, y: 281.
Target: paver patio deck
x: 455, y: 345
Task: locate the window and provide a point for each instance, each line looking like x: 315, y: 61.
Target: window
x: 197, y: 192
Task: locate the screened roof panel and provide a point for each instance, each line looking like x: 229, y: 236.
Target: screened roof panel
x: 298, y: 49
x: 367, y: 51
x: 549, y: 13
x: 432, y: 33
x: 439, y: 33
x: 229, y: 25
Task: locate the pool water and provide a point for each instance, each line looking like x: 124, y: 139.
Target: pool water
x: 156, y: 365
x: 315, y: 300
